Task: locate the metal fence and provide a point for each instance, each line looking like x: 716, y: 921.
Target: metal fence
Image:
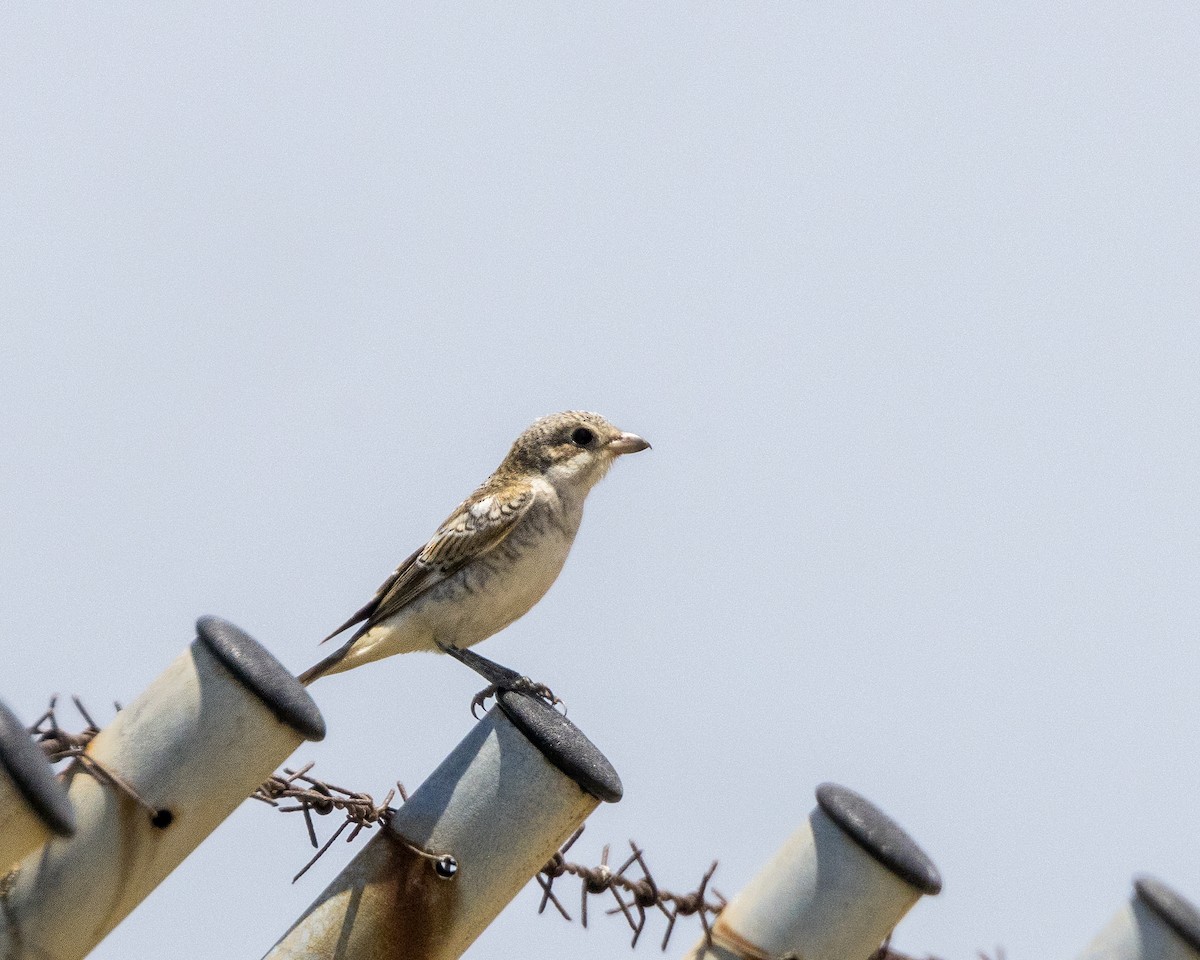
x: 87, y: 844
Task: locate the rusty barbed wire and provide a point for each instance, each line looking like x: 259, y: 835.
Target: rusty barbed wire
x: 644, y: 892
x: 299, y: 791
x: 57, y: 743
x: 635, y: 891
x: 310, y: 795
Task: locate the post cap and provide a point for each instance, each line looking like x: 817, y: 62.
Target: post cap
x: 256, y: 668
x: 880, y: 836
x: 1176, y: 912
x: 563, y: 744
x: 32, y: 775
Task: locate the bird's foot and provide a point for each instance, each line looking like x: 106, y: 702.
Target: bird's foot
x: 522, y: 685
x: 502, y: 679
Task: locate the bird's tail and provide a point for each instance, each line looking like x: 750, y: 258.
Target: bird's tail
x: 328, y: 665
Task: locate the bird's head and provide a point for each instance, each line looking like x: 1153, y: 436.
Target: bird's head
x: 571, y: 450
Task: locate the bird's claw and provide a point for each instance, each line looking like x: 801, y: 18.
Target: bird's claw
x: 502, y: 679
x: 522, y: 685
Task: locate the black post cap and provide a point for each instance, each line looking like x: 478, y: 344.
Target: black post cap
x: 880, y: 836
x: 33, y: 777
x: 1176, y: 912
x: 253, y: 666
x: 563, y: 744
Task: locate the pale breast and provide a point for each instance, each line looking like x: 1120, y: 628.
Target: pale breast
x: 504, y: 584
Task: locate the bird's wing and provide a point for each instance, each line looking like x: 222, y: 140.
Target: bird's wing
x: 478, y: 525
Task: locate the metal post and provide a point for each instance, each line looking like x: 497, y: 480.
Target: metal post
x: 33, y: 803
x: 1156, y: 924
x: 153, y: 784
x: 834, y: 890
x: 463, y: 845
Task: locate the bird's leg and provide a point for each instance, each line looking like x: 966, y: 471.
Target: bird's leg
x: 500, y: 679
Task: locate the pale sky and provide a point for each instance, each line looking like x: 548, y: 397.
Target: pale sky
x: 904, y: 295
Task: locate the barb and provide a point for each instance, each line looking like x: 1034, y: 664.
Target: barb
x: 311, y: 795
x: 57, y: 743
x: 643, y: 891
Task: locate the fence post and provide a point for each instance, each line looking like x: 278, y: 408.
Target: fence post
x: 33, y: 803
x: 1156, y: 924
x: 462, y: 846
x: 152, y: 785
x: 833, y: 891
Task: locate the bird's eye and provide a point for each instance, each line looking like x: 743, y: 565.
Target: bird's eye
x: 582, y: 437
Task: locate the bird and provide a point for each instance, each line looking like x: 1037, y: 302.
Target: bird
x: 495, y: 556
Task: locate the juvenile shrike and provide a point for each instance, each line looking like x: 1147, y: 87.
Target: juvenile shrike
x: 498, y: 552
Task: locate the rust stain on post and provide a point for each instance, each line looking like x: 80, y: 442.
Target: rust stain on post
x: 130, y: 839
x: 459, y: 849
x: 394, y: 907
x: 419, y: 906
x: 724, y: 935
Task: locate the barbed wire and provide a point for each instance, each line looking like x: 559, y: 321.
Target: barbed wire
x: 299, y: 791
x: 312, y: 796
x: 645, y: 895
x: 635, y: 891
x: 57, y: 743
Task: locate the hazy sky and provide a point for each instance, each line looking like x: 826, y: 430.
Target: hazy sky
x: 904, y: 295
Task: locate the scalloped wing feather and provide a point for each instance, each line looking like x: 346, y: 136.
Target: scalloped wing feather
x: 477, y: 526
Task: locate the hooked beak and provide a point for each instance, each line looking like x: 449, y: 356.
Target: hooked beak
x: 628, y: 443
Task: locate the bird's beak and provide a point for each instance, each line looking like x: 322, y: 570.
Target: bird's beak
x: 628, y: 443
